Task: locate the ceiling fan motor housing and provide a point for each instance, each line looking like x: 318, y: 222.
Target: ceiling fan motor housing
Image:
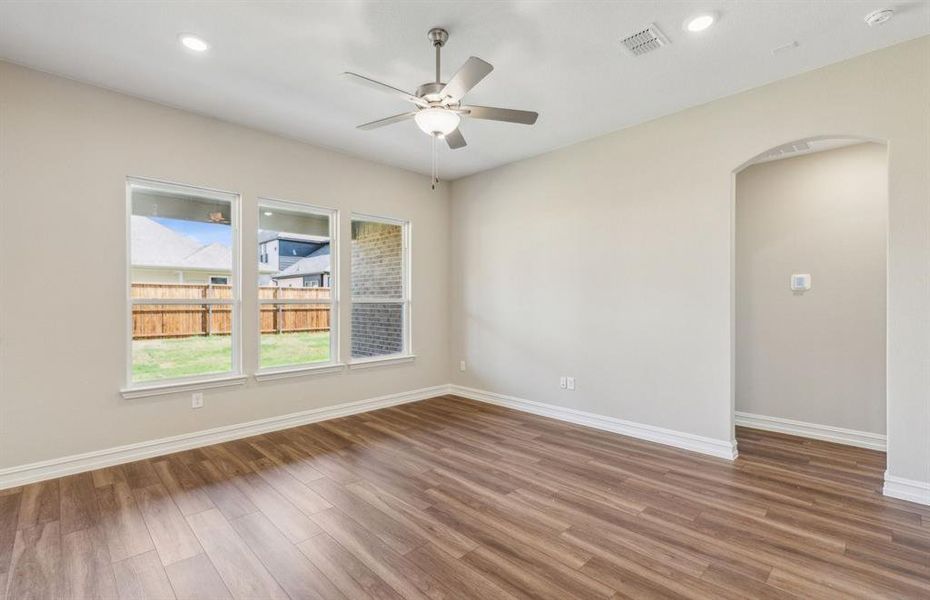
x: 431, y: 92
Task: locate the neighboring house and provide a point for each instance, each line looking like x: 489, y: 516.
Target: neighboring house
x: 280, y: 250
x: 309, y: 271
x: 161, y: 255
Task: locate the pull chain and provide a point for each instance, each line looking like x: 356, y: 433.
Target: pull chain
x: 435, y: 170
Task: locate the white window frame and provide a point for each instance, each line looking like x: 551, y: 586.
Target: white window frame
x: 176, y: 384
x: 406, y: 354
x: 333, y: 363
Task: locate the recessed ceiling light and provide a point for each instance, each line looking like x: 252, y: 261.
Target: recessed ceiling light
x: 193, y: 42
x: 878, y: 17
x: 700, y: 22
x: 268, y: 213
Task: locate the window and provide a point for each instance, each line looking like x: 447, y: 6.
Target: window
x: 297, y: 315
x: 380, y: 289
x: 183, y: 321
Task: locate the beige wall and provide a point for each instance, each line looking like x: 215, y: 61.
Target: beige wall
x: 816, y: 356
x: 65, y: 152
x: 610, y: 260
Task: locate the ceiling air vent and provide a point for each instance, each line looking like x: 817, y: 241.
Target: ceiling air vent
x: 786, y: 150
x: 644, y: 41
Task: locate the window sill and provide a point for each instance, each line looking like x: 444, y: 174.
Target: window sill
x: 287, y: 373
x: 160, y: 389
x: 367, y: 363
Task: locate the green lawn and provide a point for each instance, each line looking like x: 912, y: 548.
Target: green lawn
x: 201, y: 355
x: 282, y: 349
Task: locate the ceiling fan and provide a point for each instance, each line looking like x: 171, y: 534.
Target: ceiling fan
x: 217, y: 218
x: 438, y: 108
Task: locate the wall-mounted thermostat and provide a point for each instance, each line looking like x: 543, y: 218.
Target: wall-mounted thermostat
x: 800, y: 282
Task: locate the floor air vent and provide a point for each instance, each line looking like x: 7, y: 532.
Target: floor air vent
x: 644, y: 41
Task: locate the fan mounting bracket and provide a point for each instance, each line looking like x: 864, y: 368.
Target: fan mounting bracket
x: 438, y: 36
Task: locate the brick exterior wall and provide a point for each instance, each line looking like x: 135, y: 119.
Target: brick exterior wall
x: 377, y: 270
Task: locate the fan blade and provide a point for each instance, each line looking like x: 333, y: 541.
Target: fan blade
x: 386, y: 121
x: 492, y: 113
x: 467, y: 77
x: 366, y: 81
x: 455, y: 139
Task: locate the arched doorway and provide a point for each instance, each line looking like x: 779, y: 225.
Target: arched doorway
x: 808, y: 290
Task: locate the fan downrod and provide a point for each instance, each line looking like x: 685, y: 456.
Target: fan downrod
x: 438, y: 36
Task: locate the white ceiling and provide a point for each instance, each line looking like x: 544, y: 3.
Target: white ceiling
x: 275, y: 65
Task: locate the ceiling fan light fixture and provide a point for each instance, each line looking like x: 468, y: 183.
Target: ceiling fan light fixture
x: 437, y: 121
x: 439, y: 109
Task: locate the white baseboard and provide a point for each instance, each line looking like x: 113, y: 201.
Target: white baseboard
x: 895, y: 487
x: 907, y: 489
x: 68, y: 465
x: 669, y: 437
x: 827, y: 433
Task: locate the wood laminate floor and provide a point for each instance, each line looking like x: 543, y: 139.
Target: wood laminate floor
x: 449, y: 498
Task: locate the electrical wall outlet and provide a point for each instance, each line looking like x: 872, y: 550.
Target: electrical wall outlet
x: 563, y: 383
x: 461, y: 365
x: 197, y: 400
x: 571, y: 383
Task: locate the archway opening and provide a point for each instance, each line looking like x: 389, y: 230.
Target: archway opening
x: 809, y: 291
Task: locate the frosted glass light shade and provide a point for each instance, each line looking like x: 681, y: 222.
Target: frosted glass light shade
x: 437, y: 121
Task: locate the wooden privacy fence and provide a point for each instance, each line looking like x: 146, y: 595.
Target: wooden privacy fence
x: 151, y: 321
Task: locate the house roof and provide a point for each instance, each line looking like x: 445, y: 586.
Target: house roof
x: 316, y: 263
x: 154, y: 245
x: 209, y: 256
